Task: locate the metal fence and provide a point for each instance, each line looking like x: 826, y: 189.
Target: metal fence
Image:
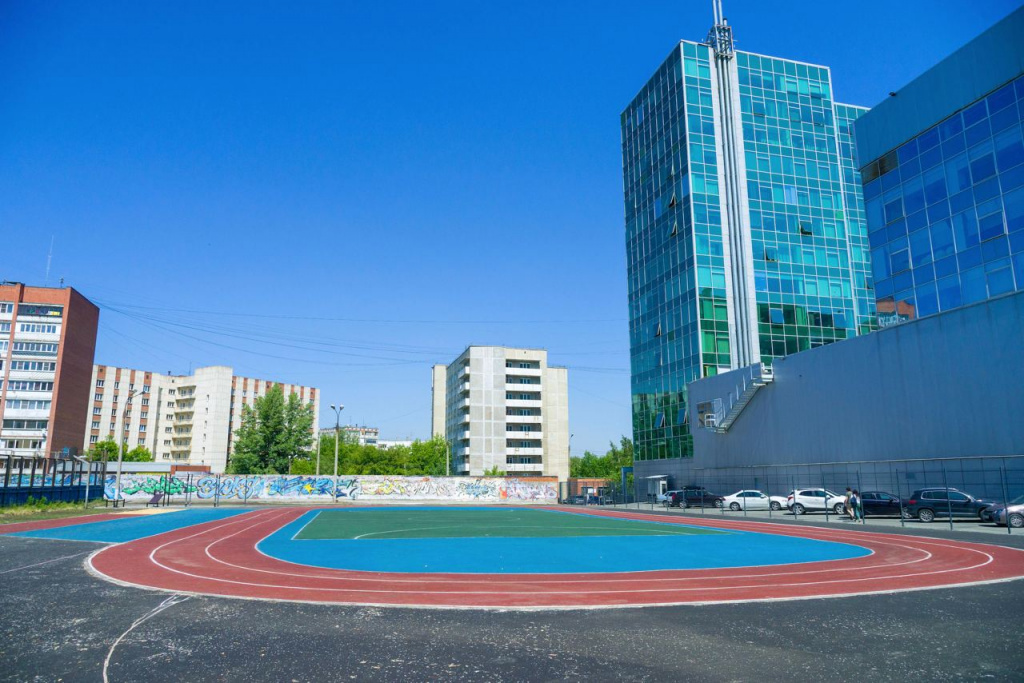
x: 998, y: 480
x: 56, y: 479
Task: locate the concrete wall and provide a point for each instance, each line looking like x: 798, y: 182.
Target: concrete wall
x: 944, y: 386
x: 948, y: 385
x: 364, y: 488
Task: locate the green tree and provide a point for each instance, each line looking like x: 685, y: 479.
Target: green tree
x: 138, y: 454
x: 106, y: 449
x: 273, y: 432
x: 607, y: 466
x: 494, y: 472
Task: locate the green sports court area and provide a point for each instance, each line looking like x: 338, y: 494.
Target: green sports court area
x: 420, y: 522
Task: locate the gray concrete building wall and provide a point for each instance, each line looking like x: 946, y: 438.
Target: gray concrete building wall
x: 945, y: 386
x: 503, y: 408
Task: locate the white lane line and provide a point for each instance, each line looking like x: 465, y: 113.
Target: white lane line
x: 573, y: 592
x: 169, y: 602
x: 301, y: 529
x: 39, y: 564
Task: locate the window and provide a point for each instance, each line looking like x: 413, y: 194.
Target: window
x: 25, y: 385
x: 958, y: 497
x: 934, y: 495
x: 35, y: 348
x: 6, y: 307
x: 97, y: 397
x: 145, y: 401
x: 145, y: 388
x: 167, y: 430
x: 142, y: 428
x: 97, y: 410
x: 96, y: 424
x: 99, y: 384
x: 93, y: 438
x: 131, y: 387
x: 117, y: 385
x: 37, y: 328
x: 34, y: 365
x: 25, y: 404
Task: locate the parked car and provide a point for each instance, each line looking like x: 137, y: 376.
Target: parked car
x: 998, y: 513
x: 814, y: 500
x: 577, y: 500
x: 927, y: 504
x: 667, y: 496
x: 753, y: 500
x: 696, y: 496
x: 876, y: 504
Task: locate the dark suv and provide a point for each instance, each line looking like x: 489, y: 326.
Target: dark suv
x: 695, y: 496
x: 927, y: 504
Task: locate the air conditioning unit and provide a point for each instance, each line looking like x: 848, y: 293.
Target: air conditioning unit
x: 710, y: 421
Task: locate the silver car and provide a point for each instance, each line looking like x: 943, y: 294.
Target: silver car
x: 1012, y: 514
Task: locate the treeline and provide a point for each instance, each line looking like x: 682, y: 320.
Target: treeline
x: 422, y: 457
x: 607, y: 466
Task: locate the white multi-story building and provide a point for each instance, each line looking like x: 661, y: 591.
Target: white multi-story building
x: 503, y: 408
x: 185, y: 419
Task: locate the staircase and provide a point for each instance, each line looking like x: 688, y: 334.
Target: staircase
x: 756, y: 376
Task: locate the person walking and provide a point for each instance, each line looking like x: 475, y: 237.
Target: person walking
x: 858, y: 511
x: 848, y: 503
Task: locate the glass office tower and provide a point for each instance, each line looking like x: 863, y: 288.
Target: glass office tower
x: 944, y: 180
x: 745, y: 226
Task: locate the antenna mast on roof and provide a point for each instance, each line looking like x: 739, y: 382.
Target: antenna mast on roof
x: 720, y: 35
x: 49, y: 258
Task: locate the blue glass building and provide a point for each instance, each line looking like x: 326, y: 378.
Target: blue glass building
x: 745, y: 230
x: 943, y: 178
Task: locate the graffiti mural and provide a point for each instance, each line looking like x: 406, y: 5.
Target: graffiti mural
x: 322, y: 489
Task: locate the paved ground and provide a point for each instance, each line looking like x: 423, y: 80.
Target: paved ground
x: 57, y: 622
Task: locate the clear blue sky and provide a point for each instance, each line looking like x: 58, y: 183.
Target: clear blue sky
x: 367, y: 188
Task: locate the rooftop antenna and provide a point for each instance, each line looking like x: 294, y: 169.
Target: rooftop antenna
x: 49, y: 258
x: 720, y: 35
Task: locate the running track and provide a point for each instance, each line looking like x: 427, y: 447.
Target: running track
x: 220, y: 558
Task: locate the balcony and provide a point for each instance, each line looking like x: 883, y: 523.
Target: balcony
x: 523, y: 372
x: 519, y: 387
x: 535, y: 467
x: 524, y: 419
x: 523, y: 403
x: 523, y: 452
x: 519, y: 434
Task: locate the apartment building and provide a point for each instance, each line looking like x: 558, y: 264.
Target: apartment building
x: 503, y: 408
x: 47, y: 342
x: 185, y: 419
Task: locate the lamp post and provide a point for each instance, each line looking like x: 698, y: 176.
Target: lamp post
x: 337, y: 438
x: 120, y: 450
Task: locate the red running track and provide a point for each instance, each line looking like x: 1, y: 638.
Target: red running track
x: 220, y: 558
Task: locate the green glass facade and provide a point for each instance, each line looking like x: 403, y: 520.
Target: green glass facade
x: 802, y: 254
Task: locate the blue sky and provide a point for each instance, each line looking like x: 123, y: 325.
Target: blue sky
x: 342, y: 194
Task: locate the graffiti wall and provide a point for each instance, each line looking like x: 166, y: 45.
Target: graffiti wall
x: 297, y: 488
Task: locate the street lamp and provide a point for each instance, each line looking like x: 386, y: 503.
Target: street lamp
x: 120, y: 450
x: 337, y: 438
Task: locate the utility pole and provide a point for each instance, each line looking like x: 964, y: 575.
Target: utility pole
x: 120, y: 450
x: 337, y: 439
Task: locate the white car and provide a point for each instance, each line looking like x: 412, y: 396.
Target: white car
x: 754, y: 500
x: 815, y: 500
x: 666, y: 497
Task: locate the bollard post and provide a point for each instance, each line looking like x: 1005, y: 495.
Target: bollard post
x: 1006, y: 504
x: 860, y: 498
x: 899, y: 495
x: 949, y: 506
x: 824, y: 491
